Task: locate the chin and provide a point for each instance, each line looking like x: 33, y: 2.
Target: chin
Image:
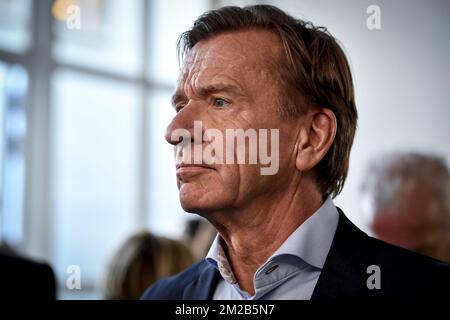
x: 197, y: 201
x: 204, y: 198
x: 189, y: 206
x: 196, y: 206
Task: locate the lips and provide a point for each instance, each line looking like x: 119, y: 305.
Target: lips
x: 186, y: 172
x: 183, y: 165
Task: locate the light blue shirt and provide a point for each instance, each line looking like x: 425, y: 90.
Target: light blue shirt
x: 292, y: 271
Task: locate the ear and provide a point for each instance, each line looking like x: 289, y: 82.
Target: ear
x: 315, y: 138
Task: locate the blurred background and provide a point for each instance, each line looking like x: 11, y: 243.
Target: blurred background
x: 85, y: 91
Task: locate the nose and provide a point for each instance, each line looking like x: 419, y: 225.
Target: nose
x: 182, y: 126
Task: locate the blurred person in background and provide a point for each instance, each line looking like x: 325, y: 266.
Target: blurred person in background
x: 406, y: 202
x: 22, y: 278
x: 140, y: 261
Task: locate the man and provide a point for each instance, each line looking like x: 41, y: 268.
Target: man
x: 279, y: 234
x: 406, y: 202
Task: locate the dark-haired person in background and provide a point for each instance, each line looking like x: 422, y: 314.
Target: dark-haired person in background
x: 280, y: 236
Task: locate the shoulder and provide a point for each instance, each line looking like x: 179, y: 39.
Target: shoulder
x: 351, y: 238
x: 19, y: 275
x: 171, y: 288
x: 405, y: 261
x: 402, y: 273
x: 17, y: 264
x: 406, y: 274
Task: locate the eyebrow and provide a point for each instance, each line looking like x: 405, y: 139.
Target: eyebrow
x: 207, y: 91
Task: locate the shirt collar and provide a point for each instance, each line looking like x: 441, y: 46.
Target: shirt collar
x: 311, y: 242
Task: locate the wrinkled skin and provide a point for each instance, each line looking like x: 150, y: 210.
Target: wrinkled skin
x: 229, y: 81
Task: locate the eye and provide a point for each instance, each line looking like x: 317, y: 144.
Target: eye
x: 178, y: 107
x: 220, y: 103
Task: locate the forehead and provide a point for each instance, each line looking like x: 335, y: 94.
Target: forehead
x: 232, y: 53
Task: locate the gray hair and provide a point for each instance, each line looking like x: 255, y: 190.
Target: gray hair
x: 393, y: 174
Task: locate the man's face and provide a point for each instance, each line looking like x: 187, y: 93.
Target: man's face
x: 229, y: 82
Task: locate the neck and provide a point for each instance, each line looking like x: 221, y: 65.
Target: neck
x: 252, y: 234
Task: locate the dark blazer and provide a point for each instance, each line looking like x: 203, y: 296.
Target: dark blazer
x: 22, y: 279
x: 403, y: 274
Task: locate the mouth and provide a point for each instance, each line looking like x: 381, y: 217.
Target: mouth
x: 185, y: 171
x: 185, y: 166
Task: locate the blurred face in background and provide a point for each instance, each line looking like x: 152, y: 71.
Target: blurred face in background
x: 418, y: 223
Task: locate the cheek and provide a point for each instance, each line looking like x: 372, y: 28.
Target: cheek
x: 228, y: 178
x: 211, y: 191
x: 252, y: 184
x: 288, y: 150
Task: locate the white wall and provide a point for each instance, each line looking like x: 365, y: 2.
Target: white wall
x: 401, y: 75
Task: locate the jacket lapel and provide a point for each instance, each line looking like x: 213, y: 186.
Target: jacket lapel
x: 204, y: 286
x: 343, y: 275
